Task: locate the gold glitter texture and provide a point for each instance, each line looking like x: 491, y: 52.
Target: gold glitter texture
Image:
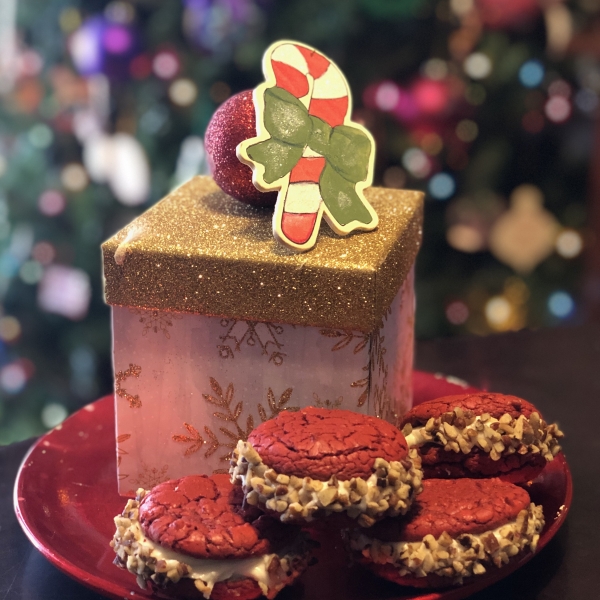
x: 201, y: 251
x: 120, y: 377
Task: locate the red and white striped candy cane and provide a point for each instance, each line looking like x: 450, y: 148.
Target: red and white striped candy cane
x: 322, y: 88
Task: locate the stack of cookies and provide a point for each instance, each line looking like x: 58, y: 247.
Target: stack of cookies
x: 248, y: 536
x: 476, y: 451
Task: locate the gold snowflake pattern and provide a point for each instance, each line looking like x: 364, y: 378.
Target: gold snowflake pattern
x: 231, y: 414
x: 156, y: 321
x: 120, y: 377
x: 120, y: 451
x: 270, y: 343
x: 328, y: 403
x: 377, y: 364
x: 151, y: 476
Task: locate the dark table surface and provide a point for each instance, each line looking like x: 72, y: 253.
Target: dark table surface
x: 558, y: 370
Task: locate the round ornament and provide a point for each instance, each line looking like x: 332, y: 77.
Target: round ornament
x: 233, y: 122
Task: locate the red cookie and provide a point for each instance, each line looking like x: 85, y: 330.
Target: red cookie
x: 481, y: 435
x: 191, y: 532
x: 457, y: 529
x: 313, y: 462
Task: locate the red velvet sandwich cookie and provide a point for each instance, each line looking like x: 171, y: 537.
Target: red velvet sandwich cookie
x: 458, y: 528
x: 481, y: 435
x: 190, y: 532
x: 314, y: 462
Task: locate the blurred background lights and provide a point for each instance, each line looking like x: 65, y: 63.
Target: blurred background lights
x: 65, y: 291
x: 51, y: 203
x: 467, y: 130
x: 183, y: 92
x: 457, y: 312
x: 461, y: 7
x: 10, y: 329
x: 477, y: 65
x: 435, y: 68
x: 586, y: 100
x: 559, y: 87
x: 416, y: 162
x: 165, y: 65
x: 557, y: 109
x: 13, y: 378
x: 40, y: 136
x: 43, y: 252
x: 442, y: 186
x: 432, y: 143
x: 74, y: 177
x: 498, y: 312
x: 465, y: 238
x: 387, y: 96
x: 31, y: 272
x: 569, y: 243
x: 53, y: 414
x: 119, y: 12
x: 117, y: 39
x: 531, y: 73
x: 561, y: 304
x: 394, y: 177
x: 219, y: 91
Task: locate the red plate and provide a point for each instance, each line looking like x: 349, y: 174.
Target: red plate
x: 66, y: 498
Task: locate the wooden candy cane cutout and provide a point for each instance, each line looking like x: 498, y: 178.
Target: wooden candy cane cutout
x: 308, y: 148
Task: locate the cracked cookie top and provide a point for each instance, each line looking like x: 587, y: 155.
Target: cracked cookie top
x: 316, y: 442
x: 200, y: 516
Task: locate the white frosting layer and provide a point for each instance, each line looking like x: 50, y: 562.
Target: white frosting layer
x: 208, y: 570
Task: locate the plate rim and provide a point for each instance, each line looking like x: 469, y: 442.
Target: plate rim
x: 105, y: 586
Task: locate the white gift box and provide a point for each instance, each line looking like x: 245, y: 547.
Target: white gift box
x: 199, y: 360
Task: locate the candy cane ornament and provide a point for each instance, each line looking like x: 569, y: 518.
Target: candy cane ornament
x: 308, y: 148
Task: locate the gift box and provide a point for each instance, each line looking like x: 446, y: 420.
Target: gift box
x: 216, y: 327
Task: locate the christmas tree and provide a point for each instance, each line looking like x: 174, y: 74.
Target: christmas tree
x: 486, y: 106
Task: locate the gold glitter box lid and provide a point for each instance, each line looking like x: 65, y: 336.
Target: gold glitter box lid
x: 200, y: 251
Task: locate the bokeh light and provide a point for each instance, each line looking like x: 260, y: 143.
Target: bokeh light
x: 31, y: 272
x: 558, y: 109
x: 416, y: 162
x: 467, y: 130
x: 478, y: 65
x: 44, y: 253
x: 531, y: 73
x: 387, y: 96
x: 561, y: 304
x: 10, y: 329
x: 13, y: 378
x: 51, y: 203
x: 40, y: 136
x: 435, y: 68
x: 53, y: 414
x: 442, y: 186
x: 586, y: 100
x: 498, y: 312
x: 394, y: 177
x: 457, y: 312
x: 183, y: 92
x: 74, y: 177
x: 569, y: 243
x: 165, y: 65
x: 465, y: 238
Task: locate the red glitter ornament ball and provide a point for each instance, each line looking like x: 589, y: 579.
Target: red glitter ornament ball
x: 233, y: 122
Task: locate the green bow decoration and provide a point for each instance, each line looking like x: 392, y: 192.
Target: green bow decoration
x: 347, y: 151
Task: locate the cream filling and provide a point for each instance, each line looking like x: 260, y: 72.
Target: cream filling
x: 149, y: 560
x: 461, y: 431
x: 460, y: 557
x: 389, y: 491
